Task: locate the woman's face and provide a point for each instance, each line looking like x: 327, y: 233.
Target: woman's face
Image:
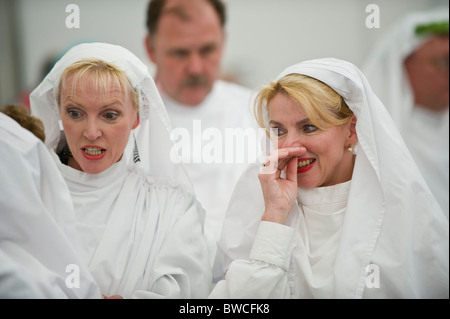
x: 327, y: 160
x: 97, y: 126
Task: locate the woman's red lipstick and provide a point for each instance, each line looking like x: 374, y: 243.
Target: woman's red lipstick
x: 305, y: 164
x: 93, y: 152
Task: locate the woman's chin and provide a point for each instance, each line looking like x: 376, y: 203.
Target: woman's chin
x: 94, y: 170
x: 90, y: 167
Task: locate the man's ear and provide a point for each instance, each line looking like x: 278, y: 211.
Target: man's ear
x: 149, y: 48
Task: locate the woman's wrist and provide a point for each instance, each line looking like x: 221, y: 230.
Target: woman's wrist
x: 275, y: 217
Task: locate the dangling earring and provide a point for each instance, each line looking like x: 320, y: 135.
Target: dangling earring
x: 136, y: 157
x: 350, y: 148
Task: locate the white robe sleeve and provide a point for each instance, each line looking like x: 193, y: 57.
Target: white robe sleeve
x: 265, y: 274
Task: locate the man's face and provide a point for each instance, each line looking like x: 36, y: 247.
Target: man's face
x: 428, y: 71
x: 187, y: 54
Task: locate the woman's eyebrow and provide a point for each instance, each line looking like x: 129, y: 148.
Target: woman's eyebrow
x: 69, y: 99
x: 113, y: 102
x: 299, y: 123
x: 302, y: 122
x: 275, y: 123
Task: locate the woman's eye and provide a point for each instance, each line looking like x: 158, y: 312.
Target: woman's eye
x: 111, y: 116
x: 74, y: 114
x: 277, y: 131
x: 309, y: 128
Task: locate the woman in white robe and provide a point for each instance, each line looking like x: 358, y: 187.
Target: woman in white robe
x: 423, y: 122
x: 37, y: 260
x: 371, y: 229
x: 135, y: 208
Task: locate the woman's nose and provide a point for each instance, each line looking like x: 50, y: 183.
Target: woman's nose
x: 92, y: 130
x: 292, y: 140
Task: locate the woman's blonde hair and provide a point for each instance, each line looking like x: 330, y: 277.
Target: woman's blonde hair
x: 321, y: 104
x: 102, y: 74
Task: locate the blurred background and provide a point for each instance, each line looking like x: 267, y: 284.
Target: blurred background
x: 263, y: 36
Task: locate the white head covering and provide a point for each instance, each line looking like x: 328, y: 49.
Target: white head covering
x: 156, y: 150
x: 391, y: 220
x: 384, y: 67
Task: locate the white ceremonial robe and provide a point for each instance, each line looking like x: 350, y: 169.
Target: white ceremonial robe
x: 16, y: 282
x: 215, y: 170
x: 426, y: 132
x: 142, y: 237
x: 427, y: 136
x: 307, y: 257
x: 286, y: 257
x: 37, y: 234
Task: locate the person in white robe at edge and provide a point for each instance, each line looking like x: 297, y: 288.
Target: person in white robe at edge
x: 135, y: 208
x: 38, y: 239
x: 340, y: 209
x: 185, y: 41
x: 408, y: 70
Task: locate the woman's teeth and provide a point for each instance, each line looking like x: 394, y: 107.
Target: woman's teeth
x: 93, y: 151
x: 304, y: 163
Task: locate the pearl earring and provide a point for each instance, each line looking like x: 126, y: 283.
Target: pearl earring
x: 350, y: 148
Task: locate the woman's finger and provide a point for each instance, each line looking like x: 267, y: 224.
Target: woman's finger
x: 278, y: 159
x: 291, y: 170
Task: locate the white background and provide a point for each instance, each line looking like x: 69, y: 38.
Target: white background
x: 263, y: 36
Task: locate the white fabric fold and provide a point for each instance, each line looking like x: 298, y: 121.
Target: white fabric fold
x: 274, y: 249
x: 37, y: 218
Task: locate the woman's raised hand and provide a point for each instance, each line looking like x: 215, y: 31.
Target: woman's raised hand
x: 280, y: 193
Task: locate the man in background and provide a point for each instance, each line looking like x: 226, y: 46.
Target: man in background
x: 409, y: 71
x: 186, y: 41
